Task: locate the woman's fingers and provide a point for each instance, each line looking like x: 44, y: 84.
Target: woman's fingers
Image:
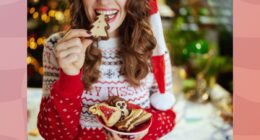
x: 82, y: 43
x: 117, y: 137
x: 114, y: 136
x: 140, y: 136
x: 67, y: 44
x: 108, y: 134
x: 109, y: 137
x: 71, y: 50
x: 71, y: 58
x: 75, y: 33
x: 86, y: 43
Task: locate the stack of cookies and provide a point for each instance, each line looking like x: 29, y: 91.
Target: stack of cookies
x: 116, y: 113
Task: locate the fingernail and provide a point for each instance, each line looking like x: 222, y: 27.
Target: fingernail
x: 89, y: 32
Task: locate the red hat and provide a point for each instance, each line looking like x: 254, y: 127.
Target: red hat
x: 162, y: 100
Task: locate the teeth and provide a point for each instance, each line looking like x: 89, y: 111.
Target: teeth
x: 106, y: 12
x: 110, y: 16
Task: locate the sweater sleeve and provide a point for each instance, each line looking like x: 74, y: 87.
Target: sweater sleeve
x: 163, y: 123
x: 60, y: 106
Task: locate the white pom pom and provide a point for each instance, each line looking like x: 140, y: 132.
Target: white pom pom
x: 162, y: 102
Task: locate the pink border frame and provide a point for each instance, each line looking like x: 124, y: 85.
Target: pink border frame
x: 246, y: 69
x: 13, y: 36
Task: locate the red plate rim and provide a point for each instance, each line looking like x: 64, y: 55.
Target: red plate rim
x: 133, y: 132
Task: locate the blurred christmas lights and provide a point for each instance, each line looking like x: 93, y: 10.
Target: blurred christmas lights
x: 44, y: 18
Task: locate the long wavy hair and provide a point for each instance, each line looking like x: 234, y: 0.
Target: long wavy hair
x: 137, y: 42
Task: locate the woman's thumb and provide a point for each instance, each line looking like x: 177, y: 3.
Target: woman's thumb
x: 86, y: 43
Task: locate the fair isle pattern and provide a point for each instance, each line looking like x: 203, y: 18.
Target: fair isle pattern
x: 111, y: 82
x: 50, y: 64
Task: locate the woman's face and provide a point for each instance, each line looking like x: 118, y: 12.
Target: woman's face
x: 114, y: 9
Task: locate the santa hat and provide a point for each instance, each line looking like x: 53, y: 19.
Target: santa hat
x: 163, y: 100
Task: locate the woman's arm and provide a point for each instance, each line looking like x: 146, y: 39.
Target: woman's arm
x: 61, y: 102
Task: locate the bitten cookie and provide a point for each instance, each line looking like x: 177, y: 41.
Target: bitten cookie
x: 99, y: 28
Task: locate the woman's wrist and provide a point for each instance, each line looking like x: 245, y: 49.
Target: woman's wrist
x: 71, y: 72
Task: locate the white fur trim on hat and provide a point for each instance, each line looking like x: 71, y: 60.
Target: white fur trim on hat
x: 157, y: 28
x: 162, y: 102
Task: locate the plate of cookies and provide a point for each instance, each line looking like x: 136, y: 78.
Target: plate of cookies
x: 121, y: 117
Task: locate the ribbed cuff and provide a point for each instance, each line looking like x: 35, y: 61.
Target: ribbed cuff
x: 70, y: 84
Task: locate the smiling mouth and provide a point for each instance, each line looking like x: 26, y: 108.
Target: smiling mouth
x: 111, y: 14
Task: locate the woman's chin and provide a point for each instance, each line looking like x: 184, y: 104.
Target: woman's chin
x: 112, y: 33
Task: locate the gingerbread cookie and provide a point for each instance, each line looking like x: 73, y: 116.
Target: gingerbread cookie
x: 109, y: 114
x: 121, y: 104
x: 99, y: 28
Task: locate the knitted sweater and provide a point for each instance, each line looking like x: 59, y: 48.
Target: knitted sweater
x: 65, y: 103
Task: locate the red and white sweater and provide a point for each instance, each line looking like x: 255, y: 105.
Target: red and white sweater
x: 64, y: 107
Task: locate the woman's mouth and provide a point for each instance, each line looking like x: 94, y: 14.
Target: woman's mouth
x: 110, y: 13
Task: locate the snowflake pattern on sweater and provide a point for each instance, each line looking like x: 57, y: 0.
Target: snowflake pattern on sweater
x: 65, y: 103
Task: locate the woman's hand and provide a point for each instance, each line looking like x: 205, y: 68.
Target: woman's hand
x: 113, y: 136
x: 70, y: 51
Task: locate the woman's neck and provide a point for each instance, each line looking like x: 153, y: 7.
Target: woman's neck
x: 111, y: 43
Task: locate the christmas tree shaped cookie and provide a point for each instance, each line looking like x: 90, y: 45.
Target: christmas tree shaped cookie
x: 99, y: 28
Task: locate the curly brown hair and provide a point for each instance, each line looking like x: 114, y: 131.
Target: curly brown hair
x: 137, y: 42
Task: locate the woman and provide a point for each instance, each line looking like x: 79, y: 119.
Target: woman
x: 80, y: 72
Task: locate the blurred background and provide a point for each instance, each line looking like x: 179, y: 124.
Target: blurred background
x: 199, y: 36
